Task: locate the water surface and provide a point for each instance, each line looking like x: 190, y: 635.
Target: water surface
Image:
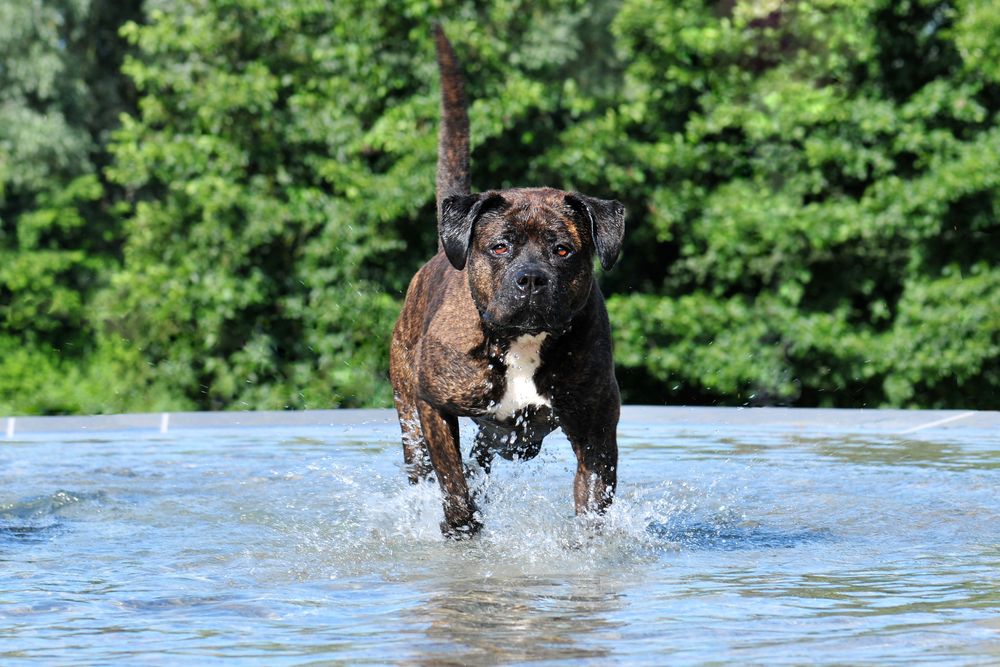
x: 305, y: 545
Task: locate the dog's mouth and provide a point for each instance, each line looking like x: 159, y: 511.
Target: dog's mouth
x: 510, y: 329
x: 524, y: 320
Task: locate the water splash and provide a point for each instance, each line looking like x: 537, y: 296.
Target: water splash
x: 350, y: 521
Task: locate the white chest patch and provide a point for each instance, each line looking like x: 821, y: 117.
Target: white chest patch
x: 522, y: 360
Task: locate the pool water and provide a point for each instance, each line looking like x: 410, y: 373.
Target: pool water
x: 303, y: 545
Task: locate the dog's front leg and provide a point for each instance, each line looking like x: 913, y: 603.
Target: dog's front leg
x: 441, y: 433
x: 596, y: 476
x: 595, y: 443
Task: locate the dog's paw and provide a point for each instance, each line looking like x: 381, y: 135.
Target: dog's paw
x: 462, y: 531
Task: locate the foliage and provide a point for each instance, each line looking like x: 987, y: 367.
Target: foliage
x: 818, y: 193
x: 60, y: 91
x: 811, y: 187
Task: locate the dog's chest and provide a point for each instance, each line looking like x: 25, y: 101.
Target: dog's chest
x: 522, y: 361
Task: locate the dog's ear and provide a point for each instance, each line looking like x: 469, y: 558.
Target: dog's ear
x: 458, y: 218
x: 607, y: 225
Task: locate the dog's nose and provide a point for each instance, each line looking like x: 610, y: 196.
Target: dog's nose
x: 531, y: 281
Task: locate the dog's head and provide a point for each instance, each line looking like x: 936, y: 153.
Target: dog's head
x: 530, y: 253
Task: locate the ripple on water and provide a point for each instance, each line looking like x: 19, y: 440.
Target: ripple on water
x: 40, y: 517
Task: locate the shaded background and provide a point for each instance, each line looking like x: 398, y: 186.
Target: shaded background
x: 217, y: 204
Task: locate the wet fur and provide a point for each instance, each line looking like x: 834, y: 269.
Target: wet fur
x: 467, y: 307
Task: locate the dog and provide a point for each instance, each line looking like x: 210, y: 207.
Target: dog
x: 506, y: 325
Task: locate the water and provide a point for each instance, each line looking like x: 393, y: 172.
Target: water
x: 305, y: 545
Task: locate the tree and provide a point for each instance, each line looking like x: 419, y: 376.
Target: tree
x: 60, y: 93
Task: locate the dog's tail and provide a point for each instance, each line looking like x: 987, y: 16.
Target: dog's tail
x: 453, y: 138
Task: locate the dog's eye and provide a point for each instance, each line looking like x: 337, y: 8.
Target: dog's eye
x: 562, y: 250
x: 500, y: 248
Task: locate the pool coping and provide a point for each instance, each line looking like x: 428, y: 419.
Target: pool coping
x: 882, y: 421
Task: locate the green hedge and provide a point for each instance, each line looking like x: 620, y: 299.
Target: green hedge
x: 218, y: 204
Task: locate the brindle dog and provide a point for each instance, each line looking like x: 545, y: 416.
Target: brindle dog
x: 506, y: 325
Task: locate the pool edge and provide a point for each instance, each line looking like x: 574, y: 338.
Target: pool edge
x: 885, y: 421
